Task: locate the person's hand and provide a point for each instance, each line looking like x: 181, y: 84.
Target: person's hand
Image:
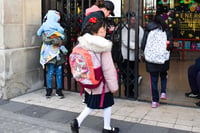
x: 58, y: 57
x: 111, y: 29
x: 168, y: 43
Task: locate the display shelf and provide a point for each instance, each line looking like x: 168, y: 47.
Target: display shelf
x: 186, y: 45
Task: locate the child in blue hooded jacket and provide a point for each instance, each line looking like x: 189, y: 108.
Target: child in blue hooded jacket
x: 52, y: 29
x: 52, y: 51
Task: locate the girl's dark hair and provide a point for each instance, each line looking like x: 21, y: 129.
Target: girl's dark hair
x: 93, y: 27
x: 158, y: 19
x: 100, y: 3
x: 63, y: 21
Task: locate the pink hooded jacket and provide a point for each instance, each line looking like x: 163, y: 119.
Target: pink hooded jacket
x: 102, y: 48
x: 93, y: 8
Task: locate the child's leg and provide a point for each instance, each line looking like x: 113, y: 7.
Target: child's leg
x: 154, y: 86
x: 192, y: 78
x: 107, y: 118
x: 59, y: 76
x: 198, y: 81
x: 50, y: 73
x: 83, y: 115
x: 59, y: 80
x: 163, y: 76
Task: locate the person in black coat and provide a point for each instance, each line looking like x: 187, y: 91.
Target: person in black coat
x: 194, y: 80
x: 157, y: 69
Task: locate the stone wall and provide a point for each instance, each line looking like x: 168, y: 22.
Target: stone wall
x: 20, y: 71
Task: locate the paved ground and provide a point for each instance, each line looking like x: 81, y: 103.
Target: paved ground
x: 33, y: 113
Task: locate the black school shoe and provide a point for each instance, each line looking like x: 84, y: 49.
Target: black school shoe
x: 74, y: 126
x: 48, y: 93
x: 59, y: 93
x: 113, y: 130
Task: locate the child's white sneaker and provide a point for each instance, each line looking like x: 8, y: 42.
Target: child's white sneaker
x: 155, y: 104
x: 163, y: 96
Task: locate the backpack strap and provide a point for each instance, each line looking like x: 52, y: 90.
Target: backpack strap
x: 103, y: 93
x: 104, y: 83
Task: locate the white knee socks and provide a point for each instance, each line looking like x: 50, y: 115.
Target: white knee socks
x: 107, y: 117
x: 87, y: 111
x: 83, y: 115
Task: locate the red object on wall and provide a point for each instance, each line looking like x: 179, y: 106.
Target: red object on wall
x: 182, y: 49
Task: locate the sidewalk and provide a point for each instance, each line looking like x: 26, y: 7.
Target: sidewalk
x: 33, y: 113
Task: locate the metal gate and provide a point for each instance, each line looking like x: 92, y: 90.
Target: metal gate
x: 73, y: 14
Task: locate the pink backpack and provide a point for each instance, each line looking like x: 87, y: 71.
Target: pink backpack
x: 86, y: 69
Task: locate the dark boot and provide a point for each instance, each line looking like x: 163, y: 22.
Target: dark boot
x: 74, y: 126
x: 48, y: 92
x: 59, y: 93
x: 113, y: 130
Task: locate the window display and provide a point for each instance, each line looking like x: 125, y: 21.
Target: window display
x: 182, y: 18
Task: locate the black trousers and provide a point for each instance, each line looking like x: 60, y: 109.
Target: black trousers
x: 128, y: 76
x: 194, y: 79
x: 154, y: 76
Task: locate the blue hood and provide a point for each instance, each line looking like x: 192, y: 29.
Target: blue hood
x: 53, y: 16
x: 51, y: 24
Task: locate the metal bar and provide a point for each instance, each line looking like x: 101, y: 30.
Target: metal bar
x: 75, y: 15
x: 142, y: 12
x: 89, y: 3
x: 56, y: 4
x: 43, y: 9
x: 120, y: 39
x: 137, y: 5
x: 83, y: 6
x: 62, y: 6
x: 69, y: 42
x: 120, y: 74
x: 43, y: 13
x: 128, y: 40
x: 75, y: 7
x: 49, y: 6
x: 75, y: 30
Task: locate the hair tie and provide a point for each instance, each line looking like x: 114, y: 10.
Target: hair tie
x: 93, y: 20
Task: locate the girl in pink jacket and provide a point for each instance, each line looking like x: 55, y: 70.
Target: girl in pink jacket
x: 93, y: 39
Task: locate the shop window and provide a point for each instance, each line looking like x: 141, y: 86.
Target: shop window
x: 182, y: 18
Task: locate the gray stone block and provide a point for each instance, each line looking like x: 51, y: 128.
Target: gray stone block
x: 13, y: 106
x: 35, y: 111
